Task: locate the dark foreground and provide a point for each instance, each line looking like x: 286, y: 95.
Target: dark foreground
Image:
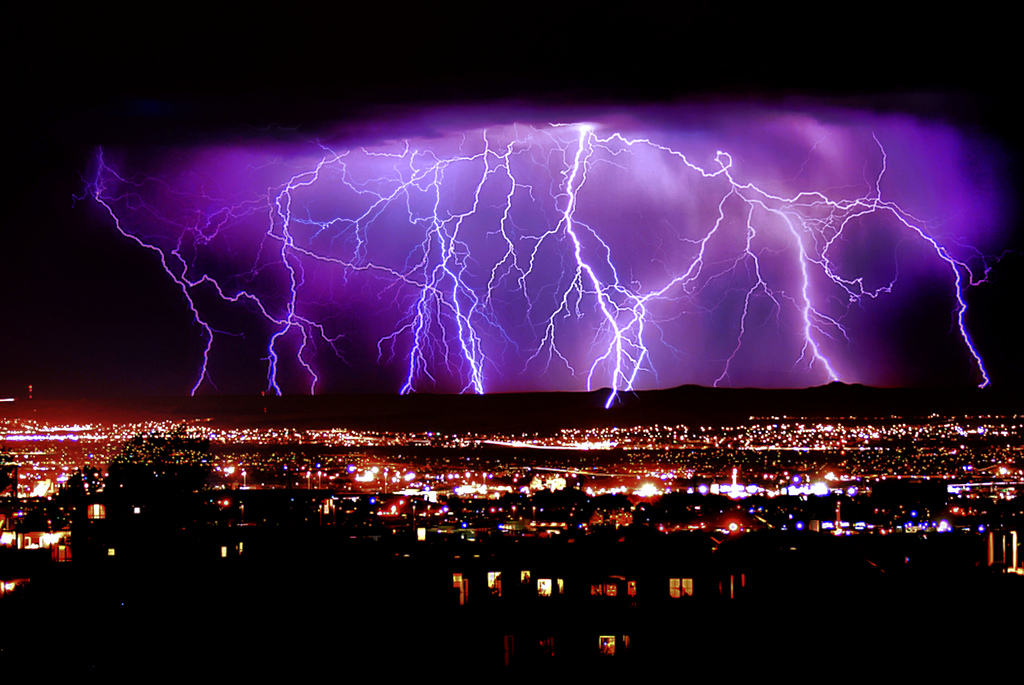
x: 302, y: 603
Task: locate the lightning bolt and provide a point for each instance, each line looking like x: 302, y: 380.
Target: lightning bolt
x: 499, y: 256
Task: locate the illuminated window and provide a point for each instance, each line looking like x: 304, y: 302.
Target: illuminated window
x: 604, y: 589
x: 223, y: 551
x: 543, y: 587
x: 494, y: 582
x: 680, y: 587
x: 524, y: 577
x: 461, y: 585
x: 631, y: 588
x: 97, y: 511
x: 110, y: 551
x: 610, y: 645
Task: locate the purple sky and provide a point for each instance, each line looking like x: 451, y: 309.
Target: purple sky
x: 226, y: 120
x: 639, y: 248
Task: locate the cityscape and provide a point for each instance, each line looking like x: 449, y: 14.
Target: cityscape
x: 565, y: 549
x: 582, y: 346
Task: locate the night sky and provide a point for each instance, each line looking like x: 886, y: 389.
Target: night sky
x: 90, y: 312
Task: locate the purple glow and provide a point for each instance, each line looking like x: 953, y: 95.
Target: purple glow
x: 767, y: 250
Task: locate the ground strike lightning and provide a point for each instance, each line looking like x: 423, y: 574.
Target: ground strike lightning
x: 557, y: 257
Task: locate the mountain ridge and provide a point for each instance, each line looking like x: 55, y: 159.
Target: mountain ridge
x: 529, y: 412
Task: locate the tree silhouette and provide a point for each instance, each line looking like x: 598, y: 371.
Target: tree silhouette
x: 159, y: 476
x: 177, y: 461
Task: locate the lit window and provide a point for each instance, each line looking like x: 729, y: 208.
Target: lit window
x: 631, y: 588
x: 524, y: 577
x: 606, y: 644
x: 543, y: 587
x: 461, y: 585
x: 110, y: 551
x: 494, y: 582
x: 680, y: 587
x: 97, y: 511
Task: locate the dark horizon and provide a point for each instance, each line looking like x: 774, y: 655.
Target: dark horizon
x: 528, y: 412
